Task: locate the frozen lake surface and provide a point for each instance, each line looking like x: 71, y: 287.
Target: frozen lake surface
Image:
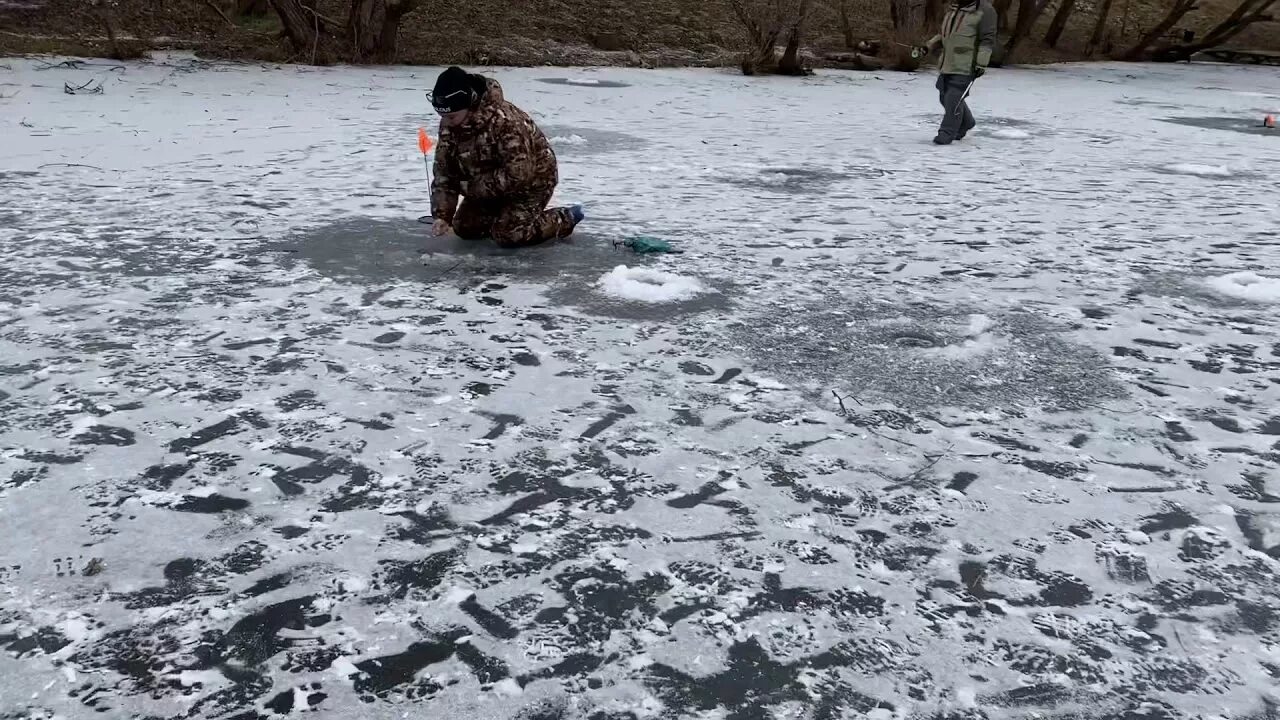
x: 986, y: 431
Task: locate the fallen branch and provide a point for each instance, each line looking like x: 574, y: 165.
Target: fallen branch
x: 334, y: 26
x: 84, y: 89
x: 91, y: 167
x: 843, y: 410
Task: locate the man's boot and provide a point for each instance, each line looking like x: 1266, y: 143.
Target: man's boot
x: 942, y: 139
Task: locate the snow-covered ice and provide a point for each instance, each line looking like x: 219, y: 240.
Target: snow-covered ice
x: 568, y: 140
x: 1248, y: 286
x: 648, y: 285
x: 1009, y: 134
x: 1199, y: 170
x: 984, y: 431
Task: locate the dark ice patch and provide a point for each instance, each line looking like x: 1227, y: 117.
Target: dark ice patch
x: 45, y: 640
x: 255, y: 638
x: 300, y: 400
x: 696, y: 498
x: 223, y: 428
x: 1039, y: 365
x: 961, y: 481
x: 161, y: 477
x: 380, y: 675
x: 492, y: 622
x: 1238, y: 124
x: 690, y: 367
x: 1177, y: 433
x: 209, y: 504
x: 398, y: 578
x: 1175, y: 518
x: 105, y: 435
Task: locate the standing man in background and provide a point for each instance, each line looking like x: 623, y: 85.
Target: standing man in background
x: 967, y: 40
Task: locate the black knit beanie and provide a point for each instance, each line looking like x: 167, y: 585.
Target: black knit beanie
x: 454, y: 91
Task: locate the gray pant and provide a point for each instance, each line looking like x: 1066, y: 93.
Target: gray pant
x: 956, y: 118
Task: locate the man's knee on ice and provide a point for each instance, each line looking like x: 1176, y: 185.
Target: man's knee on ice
x: 470, y: 231
x: 511, y: 237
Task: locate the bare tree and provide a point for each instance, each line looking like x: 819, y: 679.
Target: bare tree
x: 1246, y: 13
x: 846, y: 24
x: 302, y: 25
x: 933, y: 11
x: 790, y: 64
x: 1100, y: 27
x: 1059, y: 23
x: 104, y: 11
x: 764, y: 22
x: 1003, y: 8
x: 1028, y: 12
x: 368, y: 35
x: 374, y: 25
x: 1177, y: 11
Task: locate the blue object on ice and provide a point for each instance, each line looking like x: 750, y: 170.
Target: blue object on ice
x: 645, y: 245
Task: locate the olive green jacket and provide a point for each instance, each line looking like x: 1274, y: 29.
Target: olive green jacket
x: 968, y: 36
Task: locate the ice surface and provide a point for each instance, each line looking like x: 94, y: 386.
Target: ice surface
x: 962, y: 432
x: 1248, y: 286
x: 650, y: 286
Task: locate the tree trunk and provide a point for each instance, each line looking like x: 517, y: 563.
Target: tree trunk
x: 364, y: 28
x: 301, y: 24
x: 1028, y: 12
x: 933, y: 12
x: 846, y: 26
x: 1003, y: 8
x: 899, y: 11
x: 373, y: 26
x: 1059, y: 23
x: 1100, y: 27
x: 1178, y: 11
x: 790, y: 63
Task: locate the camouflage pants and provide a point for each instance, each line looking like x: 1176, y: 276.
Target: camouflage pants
x: 513, y: 221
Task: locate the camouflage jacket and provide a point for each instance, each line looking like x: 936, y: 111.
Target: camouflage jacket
x: 497, y: 152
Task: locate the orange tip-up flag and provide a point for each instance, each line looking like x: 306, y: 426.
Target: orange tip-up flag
x: 424, y: 141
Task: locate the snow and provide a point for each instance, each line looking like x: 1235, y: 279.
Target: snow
x: 1199, y: 170
x: 1247, y: 286
x: 1009, y: 134
x: 316, y: 449
x: 649, y: 286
